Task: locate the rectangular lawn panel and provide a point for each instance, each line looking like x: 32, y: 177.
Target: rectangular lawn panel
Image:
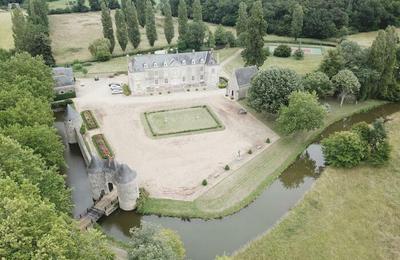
x: 181, y: 121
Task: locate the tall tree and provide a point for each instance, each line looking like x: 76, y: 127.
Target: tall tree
x: 195, y: 36
x: 122, y: 34
x: 297, y: 21
x: 151, y: 31
x: 94, y: 5
x: 168, y: 23
x: 132, y: 24
x: 141, y: 10
x: 242, y: 20
x: 108, y: 31
x: 37, y: 11
x: 182, y: 19
x: 123, y: 5
x: 39, y: 43
x: 346, y: 83
x: 254, y: 53
x: 18, y: 28
x: 197, y: 11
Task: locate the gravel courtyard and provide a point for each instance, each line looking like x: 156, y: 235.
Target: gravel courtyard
x: 174, y: 167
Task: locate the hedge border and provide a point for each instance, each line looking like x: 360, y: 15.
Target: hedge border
x: 86, y: 122
x: 210, y: 112
x: 98, y: 148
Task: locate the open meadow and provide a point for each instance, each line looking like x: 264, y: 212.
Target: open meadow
x: 71, y: 35
x: 6, y: 40
x: 348, y: 214
x: 365, y: 39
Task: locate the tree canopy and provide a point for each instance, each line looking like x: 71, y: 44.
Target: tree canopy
x: 303, y: 113
x: 270, y: 89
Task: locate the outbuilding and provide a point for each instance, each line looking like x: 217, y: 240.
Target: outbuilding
x: 240, y: 82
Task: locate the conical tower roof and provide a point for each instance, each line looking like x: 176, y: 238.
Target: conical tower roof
x: 125, y: 174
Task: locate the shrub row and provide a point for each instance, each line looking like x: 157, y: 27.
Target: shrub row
x: 67, y: 95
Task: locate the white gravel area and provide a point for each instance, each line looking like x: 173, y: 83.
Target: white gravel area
x: 174, y: 167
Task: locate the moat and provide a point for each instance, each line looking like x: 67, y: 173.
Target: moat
x: 206, y: 239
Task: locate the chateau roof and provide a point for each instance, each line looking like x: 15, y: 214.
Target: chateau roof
x: 63, y: 76
x: 125, y: 174
x: 140, y: 63
x: 244, y: 75
x: 122, y: 173
x: 71, y: 113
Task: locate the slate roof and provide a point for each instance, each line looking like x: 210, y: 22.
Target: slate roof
x: 244, y: 75
x: 140, y: 63
x: 63, y: 76
x: 122, y: 173
x: 125, y: 174
x: 71, y: 113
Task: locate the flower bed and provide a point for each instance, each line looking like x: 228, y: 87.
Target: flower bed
x: 89, y: 120
x: 102, y: 147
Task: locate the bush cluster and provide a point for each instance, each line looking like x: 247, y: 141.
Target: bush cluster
x: 363, y: 143
x: 283, y: 51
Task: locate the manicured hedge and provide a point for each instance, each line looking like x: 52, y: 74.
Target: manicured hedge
x: 89, y: 119
x: 102, y: 146
x: 65, y: 96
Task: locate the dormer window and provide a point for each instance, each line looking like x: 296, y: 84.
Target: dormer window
x: 193, y: 62
x: 145, y: 65
x: 155, y: 65
x: 165, y: 64
x: 202, y: 60
x: 184, y: 62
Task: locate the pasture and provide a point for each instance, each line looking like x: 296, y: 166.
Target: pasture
x: 6, y: 39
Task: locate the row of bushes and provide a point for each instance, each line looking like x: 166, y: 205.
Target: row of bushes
x: 64, y: 96
x: 285, y: 51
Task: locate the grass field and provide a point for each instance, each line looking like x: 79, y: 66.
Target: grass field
x: 245, y: 184
x: 71, y: 35
x: 365, y: 39
x: 6, y: 40
x: 348, y: 214
x: 182, y: 120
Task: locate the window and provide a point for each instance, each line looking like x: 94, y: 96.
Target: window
x: 201, y: 77
x: 145, y: 65
x: 184, y: 62
x: 156, y: 81
x: 193, y: 77
x: 155, y: 65
x: 165, y: 64
x: 193, y: 61
x: 201, y: 60
x: 166, y: 80
x: 183, y: 79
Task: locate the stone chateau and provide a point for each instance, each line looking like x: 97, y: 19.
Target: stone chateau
x: 154, y: 73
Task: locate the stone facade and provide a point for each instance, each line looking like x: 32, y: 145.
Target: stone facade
x: 240, y: 81
x: 104, y: 175
x: 156, y: 73
x: 107, y: 175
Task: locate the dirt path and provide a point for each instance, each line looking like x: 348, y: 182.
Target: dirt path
x: 224, y: 73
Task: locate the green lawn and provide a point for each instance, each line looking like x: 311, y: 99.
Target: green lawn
x: 348, y: 214
x: 365, y: 39
x: 225, y: 53
x: 180, y: 121
x: 242, y: 186
x: 6, y: 40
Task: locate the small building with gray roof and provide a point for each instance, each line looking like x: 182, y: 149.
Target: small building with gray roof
x: 240, y: 82
x: 155, y: 73
x: 64, y: 82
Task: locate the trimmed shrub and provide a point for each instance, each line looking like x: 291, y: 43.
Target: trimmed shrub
x: 227, y: 168
x: 268, y: 141
x: 204, y: 182
x: 249, y: 151
x: 283, y: 51
x: 318, y: 82
x: 67, y: 95
x: 126, y: 90
x: 298, y: 54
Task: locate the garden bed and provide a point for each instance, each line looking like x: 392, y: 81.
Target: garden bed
x: 89, y: 119
x: 102, y: 146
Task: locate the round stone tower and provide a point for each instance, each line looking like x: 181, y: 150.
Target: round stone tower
x: 127, y: 187
x: 96, y: 177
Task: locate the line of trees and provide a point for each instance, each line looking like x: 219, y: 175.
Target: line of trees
x: 35, y: 204
x: 31, y: 33
x: 322, y: 18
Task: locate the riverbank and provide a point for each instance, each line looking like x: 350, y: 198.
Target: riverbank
x: 244, y: 185
x: 348, y: 214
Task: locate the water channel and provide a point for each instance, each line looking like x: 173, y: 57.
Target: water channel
x: 206, y: 239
